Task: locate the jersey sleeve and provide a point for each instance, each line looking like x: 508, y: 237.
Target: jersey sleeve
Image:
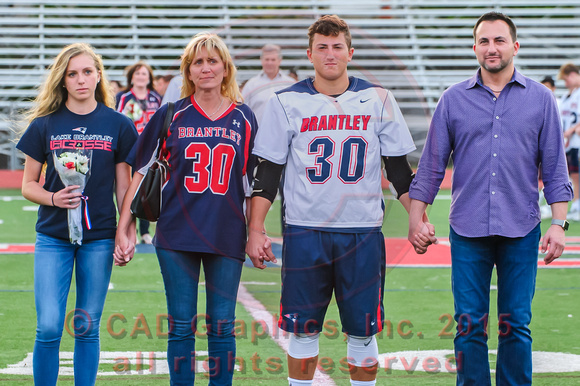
x: 275, y: 133
x: 252, y: 159
x: 394, y: 134
x: 33, y: 142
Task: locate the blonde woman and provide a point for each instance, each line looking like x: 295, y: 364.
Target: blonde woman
x: 74, y: 110
x: 202, y: 220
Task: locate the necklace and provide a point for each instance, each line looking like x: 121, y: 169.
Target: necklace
x: 215, y: 112
x: 495, y: 90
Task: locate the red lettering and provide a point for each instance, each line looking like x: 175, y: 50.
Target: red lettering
x: 348, y: 126
x: 305, y: 125
x: 355, y: 122
x: 313, y: 124
x: 388, y: 362
x: 365, y: 120
x: 332, y: 122
x: 322, y: 123
x: 341, y: 119
x: 431, y: 365
x: 409, y: 367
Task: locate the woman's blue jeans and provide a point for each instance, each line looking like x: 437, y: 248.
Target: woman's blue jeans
x: 180, y: 272
x: 54, y: 260
x: 472, y: 262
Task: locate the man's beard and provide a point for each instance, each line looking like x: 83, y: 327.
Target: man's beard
x: 494, y: 70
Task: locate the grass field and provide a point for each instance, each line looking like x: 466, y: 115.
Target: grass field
x: 418, y: 304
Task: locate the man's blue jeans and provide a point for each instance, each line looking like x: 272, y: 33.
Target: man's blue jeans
x: 472, y: 262
x: 180, y: 272
x: 54, y: 260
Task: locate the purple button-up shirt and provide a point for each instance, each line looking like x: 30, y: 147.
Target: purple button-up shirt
x: 497, y: 145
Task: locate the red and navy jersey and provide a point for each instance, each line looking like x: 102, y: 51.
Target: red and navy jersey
x: 203, y: 199
x: 139, y: 111
x: 109, y: 135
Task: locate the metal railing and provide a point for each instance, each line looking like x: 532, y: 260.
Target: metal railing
x: 416, y: 48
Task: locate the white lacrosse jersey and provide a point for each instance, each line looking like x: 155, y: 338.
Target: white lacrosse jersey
x: 332, y: 148
x: 569, y: 107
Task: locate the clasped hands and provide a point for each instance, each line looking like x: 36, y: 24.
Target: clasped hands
x: 259, y: 248
x: 421, y: 235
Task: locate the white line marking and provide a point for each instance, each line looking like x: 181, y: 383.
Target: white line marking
x: 126, y: 362
x: 436, y: 361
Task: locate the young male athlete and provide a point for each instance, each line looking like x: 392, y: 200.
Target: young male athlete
x: 331, y: 132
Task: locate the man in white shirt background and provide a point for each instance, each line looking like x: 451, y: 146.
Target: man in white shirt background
x: 261, y: 87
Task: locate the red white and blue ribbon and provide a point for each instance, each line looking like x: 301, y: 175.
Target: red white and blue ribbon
x: 86, y: 212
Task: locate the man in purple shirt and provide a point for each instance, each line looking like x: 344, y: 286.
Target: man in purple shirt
x: 499, y: 127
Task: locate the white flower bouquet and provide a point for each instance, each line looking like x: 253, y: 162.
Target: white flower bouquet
x: 74, y: 167
x: 133, y: 110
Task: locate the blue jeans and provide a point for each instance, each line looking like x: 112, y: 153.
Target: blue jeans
x: 54, y: 260
x: 472, y: 262
x: 180, y: 270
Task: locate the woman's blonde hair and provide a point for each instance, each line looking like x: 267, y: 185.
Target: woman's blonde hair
x: 212, y: 43
x: 52, y: 93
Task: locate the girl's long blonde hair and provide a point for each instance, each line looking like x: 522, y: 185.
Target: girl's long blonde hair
x: 52, y: 93
x: 212, y: 43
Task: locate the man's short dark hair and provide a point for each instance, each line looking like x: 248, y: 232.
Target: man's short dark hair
x: 548, y: 79
x: 493, y: 16
x: 329, y: 25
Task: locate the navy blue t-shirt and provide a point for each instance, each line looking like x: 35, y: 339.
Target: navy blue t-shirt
x: 210, y: 169
x: 110, y: 135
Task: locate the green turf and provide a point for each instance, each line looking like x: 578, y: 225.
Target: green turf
x: 418, y: 307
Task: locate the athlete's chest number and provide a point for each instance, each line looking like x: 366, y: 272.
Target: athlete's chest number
x: 352, y: 161
x: 211, y: 167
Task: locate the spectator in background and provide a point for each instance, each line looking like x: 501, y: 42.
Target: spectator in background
x: 160, y: 83
x: 139, y: 102
x: 569, y: 106
x: 548, y: 81
x: 173, y: 90
x: 261, y: 87
x: 293, y: 73
x: 116, y: 87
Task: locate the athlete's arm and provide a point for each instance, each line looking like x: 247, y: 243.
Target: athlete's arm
x: 266, y: 181
x: 399, y: 173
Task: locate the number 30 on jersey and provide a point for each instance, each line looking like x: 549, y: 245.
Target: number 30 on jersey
x: 352, y: 160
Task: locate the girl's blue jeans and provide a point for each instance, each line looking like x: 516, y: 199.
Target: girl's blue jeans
x: 54, y: 260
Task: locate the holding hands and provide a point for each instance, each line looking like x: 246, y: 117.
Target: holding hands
x: 125, y: 245
x: 259, y: 248
x: 421, y: 232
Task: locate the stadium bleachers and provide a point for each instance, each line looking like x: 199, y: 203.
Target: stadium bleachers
x: 416, y: 48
